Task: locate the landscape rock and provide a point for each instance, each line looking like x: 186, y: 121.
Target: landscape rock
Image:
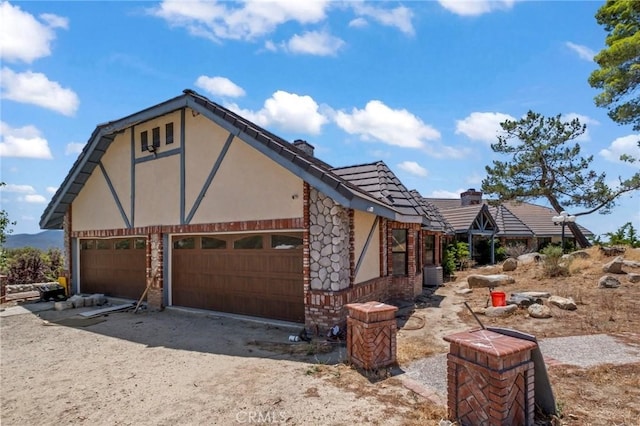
x: 520, y: 299
x: 62, y: 306
x: 563, y: 303
x: 607, y: 281
x: 539, y: 311
x: 612, y: 251
x: 615, y: 266
x: 529, y: 258
x: 631, y: 263
x: 510, y: 264
x: 500, y: 311
x: 496, y: 280
x: 535, y: 294
x: 580, y: 254
x: 633, y: 277
x: 464, y: 291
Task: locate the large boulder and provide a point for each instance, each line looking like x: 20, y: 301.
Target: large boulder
x: 580, y: 254
x: 500, y: 311
x: 529, y: 258
x: 522, y: 300
x: 510, y: 265
x: 496, y: 280
x: 607, y: 281
x: 539, y: 311
x: 633, y: 277
x: 631, y: 263
x: 535, y: 294
x: 615, y: 266
x: 563, y: 303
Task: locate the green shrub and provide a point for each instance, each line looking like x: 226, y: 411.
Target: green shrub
x: 30, y: 265
x: 552, y: 262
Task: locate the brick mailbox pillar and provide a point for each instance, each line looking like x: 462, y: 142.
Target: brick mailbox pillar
x: 371, y: 335
x: 490, y: 379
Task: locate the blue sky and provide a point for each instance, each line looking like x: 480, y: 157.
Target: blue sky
x: 422, y: 86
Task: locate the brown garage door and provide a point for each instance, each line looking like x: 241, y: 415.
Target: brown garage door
x: 115, y: 267
x: 258, y: 275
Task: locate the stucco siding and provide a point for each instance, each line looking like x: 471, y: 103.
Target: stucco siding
x: 117, y: 164
x: 249, y: 186
x: 158, y: 192
x: 370, y: 265
x: 95, y: 207
x: 160, y: 122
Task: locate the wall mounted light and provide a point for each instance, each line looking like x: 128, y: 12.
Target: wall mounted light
x: 370, y: 209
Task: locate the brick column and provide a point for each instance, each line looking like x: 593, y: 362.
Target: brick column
x: 155, y: 259
x: 371, y: 335
x: 490, y: 379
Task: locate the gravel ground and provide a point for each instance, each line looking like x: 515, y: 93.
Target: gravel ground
x: 581, y: 351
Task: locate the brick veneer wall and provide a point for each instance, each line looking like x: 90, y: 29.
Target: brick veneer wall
x: 490, y: 379
x: 410, y: 285
x: 371, y: 335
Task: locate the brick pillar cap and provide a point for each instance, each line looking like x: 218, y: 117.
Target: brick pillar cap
x: 490, y: 342
x: 371, y: 311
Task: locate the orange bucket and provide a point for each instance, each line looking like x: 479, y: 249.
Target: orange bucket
x: 498, y: 298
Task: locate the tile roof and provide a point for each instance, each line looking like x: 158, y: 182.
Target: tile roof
x: 378, y: 180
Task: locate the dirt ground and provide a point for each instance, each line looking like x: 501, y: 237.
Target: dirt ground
x: 174, y: 368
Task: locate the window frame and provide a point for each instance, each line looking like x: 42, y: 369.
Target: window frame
x: 397, y: 251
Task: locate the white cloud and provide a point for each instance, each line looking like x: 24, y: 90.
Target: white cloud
x: 35, y: 88
x: 583, y: 51
x: 21, y: 189
x: 220, y: 86
x: 52, y: 189
x: 22, y: 37
x: 441, y: 193
x: 413, y: 168
x: 358, y: 23
x: 627, y: 145
x: 319, y: 43
x: 23, y: 142
x: 220, y: 20
x: 378, y: 122
x: 482, y: 126
x: 475, y: 7
x: 73, y: 148
x: 399, y: 17
x: 287, y: 111
x: 33, y: 199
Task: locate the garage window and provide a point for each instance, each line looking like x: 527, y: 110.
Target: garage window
x: 254, y: 242
x: 185, y: 243
x: 87, y: 244
x: 103, y: 245
x: 213, y: 243
x: 139, y: 243
x: 285, y: 242
x: 123, y: 245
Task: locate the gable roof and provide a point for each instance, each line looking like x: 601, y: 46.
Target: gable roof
x: 379, y: 181
x: 433, y: 213
x: 317, y: 173
x: 514, y: 219
x: 470, y: 219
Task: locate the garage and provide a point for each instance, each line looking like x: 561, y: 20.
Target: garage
x: 249, y: 274
x: 114, y: 267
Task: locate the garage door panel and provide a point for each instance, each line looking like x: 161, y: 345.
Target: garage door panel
x: 259, y: 282
x: 117, y: 272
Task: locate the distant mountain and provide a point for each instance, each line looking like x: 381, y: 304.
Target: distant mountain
x: 42, y: 240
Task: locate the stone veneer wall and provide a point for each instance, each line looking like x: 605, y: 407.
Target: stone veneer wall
x: 329, y: 243
x: 155, y: 270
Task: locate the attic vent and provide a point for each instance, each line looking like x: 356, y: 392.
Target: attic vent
x: 304, y: 146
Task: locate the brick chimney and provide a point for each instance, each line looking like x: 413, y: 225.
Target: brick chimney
x: 471, y: 197
x: 304, y: 146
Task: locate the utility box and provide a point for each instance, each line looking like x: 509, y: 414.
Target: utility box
x: 490, y: 379
x: 371, y: 335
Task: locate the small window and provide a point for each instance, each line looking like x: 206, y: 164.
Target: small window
x: 254, y: 242
x: 284, y: 242
x: 103, y: 244
x: 87, y: 244
x: 140, y: 243
x: 399, y: 252
x: 185, y: 243
x: 144, y: 141
x: 213, y: 243
x: 168, y: 131
x: 156, y: 137
x: 123, y: 245
x: 429, y: 253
